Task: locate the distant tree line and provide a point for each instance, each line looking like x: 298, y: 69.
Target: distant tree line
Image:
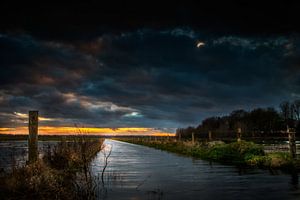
x: 259, y: 122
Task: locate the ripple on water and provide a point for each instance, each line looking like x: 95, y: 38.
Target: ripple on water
x: 149, y: 173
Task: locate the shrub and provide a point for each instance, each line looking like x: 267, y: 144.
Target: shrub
x: 279, y: 160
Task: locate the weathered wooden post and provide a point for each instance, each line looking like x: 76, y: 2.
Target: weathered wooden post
x: 179, y: 137
x: 33, y: 136
x: 239, y: 134
x: 193, y: 138
x: 292, y: 142
x: 209, y: 136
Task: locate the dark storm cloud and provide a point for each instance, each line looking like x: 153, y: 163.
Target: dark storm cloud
x: 184, y: 83
x: 147, y: 77
x: 25, y: 60
x: 44, y: 76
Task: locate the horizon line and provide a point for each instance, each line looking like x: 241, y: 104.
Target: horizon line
x: 67, y: 130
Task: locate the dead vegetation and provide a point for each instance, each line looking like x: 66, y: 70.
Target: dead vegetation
x: 62, y: 173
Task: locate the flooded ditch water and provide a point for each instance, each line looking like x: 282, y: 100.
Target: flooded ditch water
x: 147, y: 173
x: 138, y: 172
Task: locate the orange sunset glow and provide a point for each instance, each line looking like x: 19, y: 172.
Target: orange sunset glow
x: 48, y: 130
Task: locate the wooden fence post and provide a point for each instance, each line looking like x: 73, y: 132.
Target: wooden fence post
x: 239, y: 134
x: 209, y: 136
x: 33, y: 136
x: 179, y: 137
x: 193, y: 138
x: 292, y: 142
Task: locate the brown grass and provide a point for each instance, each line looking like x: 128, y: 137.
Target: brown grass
x: 56, y: 175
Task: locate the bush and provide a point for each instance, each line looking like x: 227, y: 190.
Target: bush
x: 255, y: 160
x: 237, y: 152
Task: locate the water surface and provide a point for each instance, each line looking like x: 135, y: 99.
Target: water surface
x: 15, y: 153
x: 139, y: 172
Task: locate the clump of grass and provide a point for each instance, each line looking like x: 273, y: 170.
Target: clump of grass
x: 73, y: 155
x: 235, y: 153
x: 36, y: 181
x: 275, y: 160
x: 56, y: 175
x: 279, y: 159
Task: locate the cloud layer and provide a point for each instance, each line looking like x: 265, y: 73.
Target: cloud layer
x: 144, y: 78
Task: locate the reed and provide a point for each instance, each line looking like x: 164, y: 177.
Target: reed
x: 62, y: 173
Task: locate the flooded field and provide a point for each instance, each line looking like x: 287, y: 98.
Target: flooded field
x: 16, y: 152
x: 138, y: 172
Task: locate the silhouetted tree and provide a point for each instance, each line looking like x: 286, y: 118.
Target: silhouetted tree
x: 237, y: 119
x: 258, y: 122
x: 296, y: 109
x: 285, y: 110
x: 264, y: 121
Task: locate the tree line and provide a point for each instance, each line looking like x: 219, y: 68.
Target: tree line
x: 259, y: 122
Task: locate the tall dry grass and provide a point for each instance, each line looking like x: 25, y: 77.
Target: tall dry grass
x: 62, y: 173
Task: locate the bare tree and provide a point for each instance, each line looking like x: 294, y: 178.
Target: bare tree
x: 285, y: 111
x: 296, y: 109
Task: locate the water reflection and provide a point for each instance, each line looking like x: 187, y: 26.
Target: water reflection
x: 15, y: 153
x: 146, y: 173
x: 294, y: 181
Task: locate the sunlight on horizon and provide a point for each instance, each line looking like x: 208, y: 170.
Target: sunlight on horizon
x: 48, y: 130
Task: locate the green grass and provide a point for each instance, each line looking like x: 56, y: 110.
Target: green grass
x: 235, y: 153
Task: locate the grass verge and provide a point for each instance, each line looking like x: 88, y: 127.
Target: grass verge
x: 236, y: 153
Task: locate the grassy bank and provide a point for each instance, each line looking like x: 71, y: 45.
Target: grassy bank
x: 236, y: 153
x: 62, y: 173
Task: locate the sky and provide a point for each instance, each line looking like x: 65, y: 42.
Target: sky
x: 149, y: 68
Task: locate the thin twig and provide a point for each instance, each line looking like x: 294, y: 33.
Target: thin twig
x: 105, y: 163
